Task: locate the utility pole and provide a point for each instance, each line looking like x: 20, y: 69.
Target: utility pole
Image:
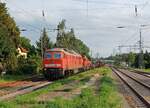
x: 42, y: 51
x: 119, y: 48
x: 136, y: 10
x: 140, y: 51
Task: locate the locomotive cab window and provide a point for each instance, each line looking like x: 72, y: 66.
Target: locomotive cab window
x: 48, y: 55
x: 57, y: 55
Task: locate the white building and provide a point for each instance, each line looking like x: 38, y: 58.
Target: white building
x: 22, y: 52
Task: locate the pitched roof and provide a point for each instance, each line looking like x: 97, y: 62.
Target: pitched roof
x: 23, y: 50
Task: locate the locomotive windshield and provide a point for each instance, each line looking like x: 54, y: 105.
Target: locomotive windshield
x: 48, y: 55
x: 57, y: 55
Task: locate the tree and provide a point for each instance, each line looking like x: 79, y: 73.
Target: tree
x: 25, y: 43
x: 32, y: 51
x: 69, y: 41
x: 12, y: 63
x: 8, y: 24
x: 136, y: 62
x: 60, y: 34
x: 147, y: 60
x: 9, y: 39
x: 44, y: 42
x: 131, y: 58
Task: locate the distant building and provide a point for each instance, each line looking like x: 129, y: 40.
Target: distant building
x: 22, y: 52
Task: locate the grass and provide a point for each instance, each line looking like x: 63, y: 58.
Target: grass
x: 109, y: 97
x: 9, y: 78
x: 106, y: 97
x: 145, y: 70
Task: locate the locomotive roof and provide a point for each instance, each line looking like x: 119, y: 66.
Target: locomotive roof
x: 64, y: 50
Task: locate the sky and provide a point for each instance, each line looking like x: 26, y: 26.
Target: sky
x: 95, y: 22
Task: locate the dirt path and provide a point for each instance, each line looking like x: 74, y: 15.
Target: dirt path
x: 68, y: 91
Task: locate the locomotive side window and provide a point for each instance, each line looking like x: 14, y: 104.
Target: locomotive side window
x: 57, y: 55
x: 48, y: 55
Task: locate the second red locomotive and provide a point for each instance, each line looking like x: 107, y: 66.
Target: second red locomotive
x: 59, y: 62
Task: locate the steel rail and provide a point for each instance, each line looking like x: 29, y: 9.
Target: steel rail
x: 24, y: 91
x: 141, y: 73
x: 143, y: 84
x: 135, y: 91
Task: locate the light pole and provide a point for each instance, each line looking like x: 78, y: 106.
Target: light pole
x: 140, y: 58
x: 23, y: 30
x: 140, y: 51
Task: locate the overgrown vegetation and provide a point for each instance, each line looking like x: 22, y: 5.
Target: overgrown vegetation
x: 132, y: 60
x: 8, y: 78
x: 10, y: 41
x: 105, y: 97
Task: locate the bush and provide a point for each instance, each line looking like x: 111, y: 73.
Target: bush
x: 30, y: 65
x: 27, y: 69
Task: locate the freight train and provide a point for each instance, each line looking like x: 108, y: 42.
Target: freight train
x: 60, y: 62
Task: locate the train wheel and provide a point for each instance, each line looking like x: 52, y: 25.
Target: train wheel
x: 66, y: 73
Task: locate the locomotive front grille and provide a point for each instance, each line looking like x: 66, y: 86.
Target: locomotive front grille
x: 52, y: 65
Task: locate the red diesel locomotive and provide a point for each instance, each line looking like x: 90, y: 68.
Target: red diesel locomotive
x: 59, y: 62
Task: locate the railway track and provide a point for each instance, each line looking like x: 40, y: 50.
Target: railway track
x: 22, y: 87
x: 142, y: 73
x: 138, y: 84
x: 147, y: 74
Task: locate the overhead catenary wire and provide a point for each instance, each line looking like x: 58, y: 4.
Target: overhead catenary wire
x: 27, y: 14
x: 132, y: 37
x: 146, y: 3
x: 34, y: 28
x: 108, y: 3
x: 45, y: 22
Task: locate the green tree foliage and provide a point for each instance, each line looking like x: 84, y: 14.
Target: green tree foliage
x: 32, y: 51
x: 139, y: 61
x: 69, y: 41
x: 147, y: 59
x: 117, y: 60
x: 25, y: 43
x: 12, y: 63
x: 9, y: 25
x: 131, y: 58
x: 136, y: 62
x: 44, y: 42
x: 31, y: 65
x: 9, y: 39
